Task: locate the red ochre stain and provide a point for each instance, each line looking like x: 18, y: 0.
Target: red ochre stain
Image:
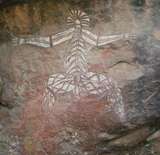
x: 39, y: 129
x: 106, y: 53
x: 96, y: 67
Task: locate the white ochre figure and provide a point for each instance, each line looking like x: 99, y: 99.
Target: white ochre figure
x: 76, y: 79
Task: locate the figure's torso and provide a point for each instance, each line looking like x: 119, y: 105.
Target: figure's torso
x: 76, y: 62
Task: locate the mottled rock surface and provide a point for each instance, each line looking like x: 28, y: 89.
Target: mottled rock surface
x: 86, y: 127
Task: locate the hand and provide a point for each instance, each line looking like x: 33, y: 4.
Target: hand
x: 129, y: 36
x: 15, y: 41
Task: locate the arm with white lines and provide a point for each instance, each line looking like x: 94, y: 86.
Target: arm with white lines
x: 45, y: 42
x: 104, y: 40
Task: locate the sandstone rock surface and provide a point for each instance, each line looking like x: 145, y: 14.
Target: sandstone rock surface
x: 86, y: 127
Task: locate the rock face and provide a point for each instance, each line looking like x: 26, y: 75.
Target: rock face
x: 84, y: 127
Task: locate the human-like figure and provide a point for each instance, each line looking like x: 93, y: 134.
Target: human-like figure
x: 76, y: 79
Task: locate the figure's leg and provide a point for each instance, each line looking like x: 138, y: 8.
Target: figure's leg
x: 113, y: 95
x: 57, y: 84
x: 49, y: 98
x: 107, y: 88
x: 91, y: 83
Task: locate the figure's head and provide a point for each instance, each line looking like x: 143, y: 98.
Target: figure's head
x: 78, y: 19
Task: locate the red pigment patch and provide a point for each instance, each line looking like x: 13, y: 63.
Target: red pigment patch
x: 96, y: 67
x: 40, y: 130
x: 106, y: 54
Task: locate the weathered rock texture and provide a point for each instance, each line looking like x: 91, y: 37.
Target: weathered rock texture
x: 83, y: 128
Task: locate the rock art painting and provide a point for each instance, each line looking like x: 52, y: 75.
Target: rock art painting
x: 76, y: 80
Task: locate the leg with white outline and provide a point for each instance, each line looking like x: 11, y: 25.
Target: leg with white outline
x: 57, y: 84
x: 106, y: 88
x: 113, y: 95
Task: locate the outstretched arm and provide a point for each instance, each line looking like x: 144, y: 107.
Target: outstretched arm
x: 38, y: 41
x: 104, y: 40
x: 48, y: 41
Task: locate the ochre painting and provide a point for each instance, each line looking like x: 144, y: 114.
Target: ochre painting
x: 79, y: 77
